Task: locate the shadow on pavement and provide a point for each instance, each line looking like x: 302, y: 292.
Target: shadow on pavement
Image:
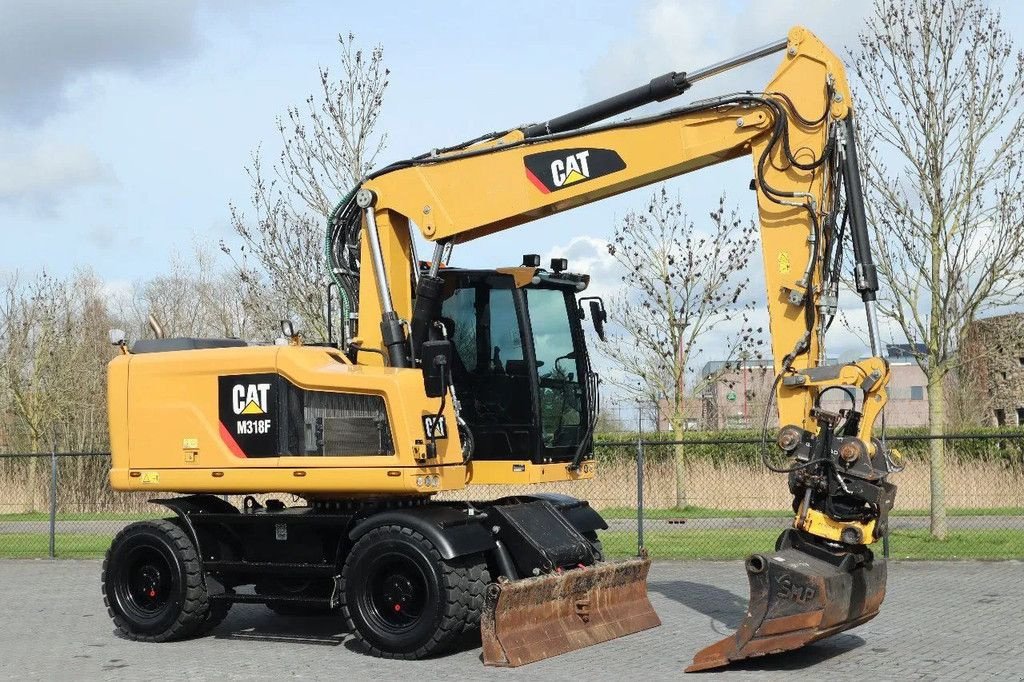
x: 250, y: 621
x: 721, y: 605
x: 256, y: 623
x: 803, y: 658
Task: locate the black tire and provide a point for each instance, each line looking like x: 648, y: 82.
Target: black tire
x: 215, y: 616
x: 153, y: 585
x: 477, y: 578
x: 401, y: 600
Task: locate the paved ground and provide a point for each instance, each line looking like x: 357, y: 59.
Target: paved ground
x: 940, y: 621
x: 895, y: 522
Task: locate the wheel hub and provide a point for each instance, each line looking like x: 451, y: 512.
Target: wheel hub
x: 398, y: 591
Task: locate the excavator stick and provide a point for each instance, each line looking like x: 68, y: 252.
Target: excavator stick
x: 535, y: 618
x: 798, y: 595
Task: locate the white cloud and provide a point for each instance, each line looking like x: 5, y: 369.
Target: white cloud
x: 589, y: 255
x: 683, y: 35
x: 40, y: 173
x: 46, y: 45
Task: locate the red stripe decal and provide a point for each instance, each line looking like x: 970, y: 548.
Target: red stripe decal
x: 536, y: 182
x: 230, y: 441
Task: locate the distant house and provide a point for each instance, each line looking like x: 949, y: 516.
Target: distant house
x: 992, y: 357
x: 741, y: 391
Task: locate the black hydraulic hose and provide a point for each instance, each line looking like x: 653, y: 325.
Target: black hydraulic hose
x: 829, y: 92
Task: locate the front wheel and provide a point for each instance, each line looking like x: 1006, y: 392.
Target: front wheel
x: 153, y: 585
x: 402, y: 600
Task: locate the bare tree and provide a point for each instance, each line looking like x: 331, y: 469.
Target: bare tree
x: 328, y: 145
x: 52, y: 358
x: 941, y: 113
x: 196, y: 298
x: 681, y: 284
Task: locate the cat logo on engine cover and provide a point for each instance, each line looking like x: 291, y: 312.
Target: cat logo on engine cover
x: 248, y: 414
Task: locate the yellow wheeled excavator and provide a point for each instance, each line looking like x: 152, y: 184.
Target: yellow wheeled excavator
x: 444, y: 377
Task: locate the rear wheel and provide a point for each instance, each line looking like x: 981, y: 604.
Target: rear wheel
x: 402, y: 600
x: 153, y: 584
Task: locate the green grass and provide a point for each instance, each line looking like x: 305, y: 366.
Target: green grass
x: 693, y: 513
x: 83, y: 516
x: 723, y: 544
x: 709, y: 513
x: 68, y: 546
x: 738, y: 543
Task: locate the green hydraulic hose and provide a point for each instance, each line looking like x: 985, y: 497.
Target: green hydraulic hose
x: 346, y: 305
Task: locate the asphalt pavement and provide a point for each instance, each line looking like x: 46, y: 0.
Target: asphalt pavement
x: 940, y: 620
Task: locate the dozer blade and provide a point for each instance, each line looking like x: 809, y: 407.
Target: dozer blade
x: 536, y: 618
x: 796, y: 599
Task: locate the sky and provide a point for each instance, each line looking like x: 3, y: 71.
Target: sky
x: 125, y: 126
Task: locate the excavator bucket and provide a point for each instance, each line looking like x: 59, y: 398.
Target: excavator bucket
x: 532, y: 619
x: 796, y: 599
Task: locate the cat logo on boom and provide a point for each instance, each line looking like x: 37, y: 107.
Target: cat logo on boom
x: 561, y: 168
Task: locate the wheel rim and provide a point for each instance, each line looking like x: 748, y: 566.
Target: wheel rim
x: 396, y: 593
x: 146, y: 584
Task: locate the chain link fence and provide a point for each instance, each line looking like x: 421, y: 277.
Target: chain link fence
x: 704, y: 497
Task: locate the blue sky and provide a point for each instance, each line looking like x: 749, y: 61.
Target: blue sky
x: 125, y: 127
x: 129, y: 139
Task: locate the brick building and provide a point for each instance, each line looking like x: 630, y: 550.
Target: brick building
x: 736, y: 399
x: 993, y: 367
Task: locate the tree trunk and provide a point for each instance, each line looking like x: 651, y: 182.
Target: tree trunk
x: 937, y: 452
x: 680, y: 462
x: 31, y: 470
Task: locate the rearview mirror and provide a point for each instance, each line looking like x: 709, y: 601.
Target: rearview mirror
x: 436, y: 361
x: 598, y: 315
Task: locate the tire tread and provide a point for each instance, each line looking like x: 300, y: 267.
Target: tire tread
x: 465, y: 580
x: 195, y: 615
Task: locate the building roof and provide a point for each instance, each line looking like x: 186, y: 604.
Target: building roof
x: 905, y: 350
x: 713, y: 366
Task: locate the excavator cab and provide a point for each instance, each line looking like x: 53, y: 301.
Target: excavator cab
x: 520, y: 366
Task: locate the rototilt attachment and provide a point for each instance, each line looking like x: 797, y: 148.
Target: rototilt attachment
x: 799, y: 594
x: 528, y: 620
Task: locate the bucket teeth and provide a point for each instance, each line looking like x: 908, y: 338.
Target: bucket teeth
x: 536, y: 618
x: 796, y: 599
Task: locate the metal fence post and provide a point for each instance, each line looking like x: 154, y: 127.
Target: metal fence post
x: 885, y: 545
x: 53, y: 500
x: 639, y: 482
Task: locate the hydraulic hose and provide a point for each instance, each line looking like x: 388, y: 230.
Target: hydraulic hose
x: 346, y: 304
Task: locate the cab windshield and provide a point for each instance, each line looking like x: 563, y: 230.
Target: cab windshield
x: 558, y: 368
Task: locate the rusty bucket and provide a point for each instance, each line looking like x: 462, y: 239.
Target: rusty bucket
x: 797, y: 598
x: 536, y: 618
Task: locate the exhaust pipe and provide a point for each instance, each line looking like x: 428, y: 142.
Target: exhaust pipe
x: 158, y: 330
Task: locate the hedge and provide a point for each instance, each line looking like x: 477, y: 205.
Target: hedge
x: 1004, y: 446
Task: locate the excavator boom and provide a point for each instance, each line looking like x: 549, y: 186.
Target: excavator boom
x: 799, y: 133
